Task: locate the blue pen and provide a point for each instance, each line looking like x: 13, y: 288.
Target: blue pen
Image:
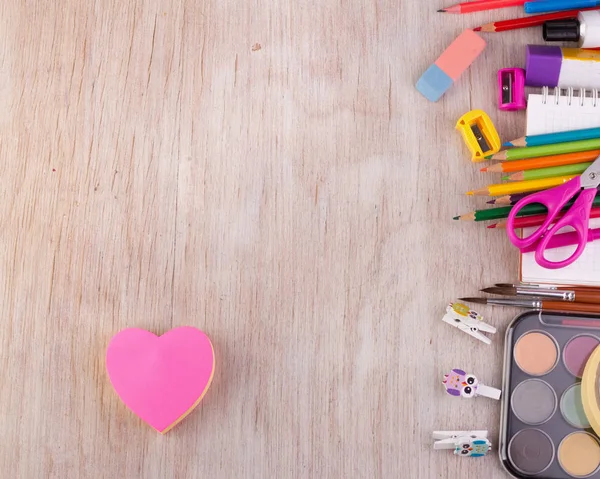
x: 545, y: 6
x: 552, y: 138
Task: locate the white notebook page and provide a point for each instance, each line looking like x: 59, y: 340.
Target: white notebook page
x: 546, y: 115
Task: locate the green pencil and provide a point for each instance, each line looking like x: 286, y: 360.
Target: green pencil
x: 503, y: 211
x: 550, y: 172
x: 546, y: 150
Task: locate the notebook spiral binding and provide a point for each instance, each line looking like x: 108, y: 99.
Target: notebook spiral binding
x: 570, y: 95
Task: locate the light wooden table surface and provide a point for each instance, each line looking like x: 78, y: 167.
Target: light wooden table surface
x: 266, y: 172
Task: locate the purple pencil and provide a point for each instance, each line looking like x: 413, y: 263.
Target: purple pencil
x: 507, y: 200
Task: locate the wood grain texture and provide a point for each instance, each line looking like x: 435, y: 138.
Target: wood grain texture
x: 264, y: 171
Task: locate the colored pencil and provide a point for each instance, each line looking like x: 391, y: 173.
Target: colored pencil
x: 543, y: 162
x: 481, y: 5
x: 520, y: 186
x: 545, y: 150
x: 536, y: 220
x: 537, y: 304
x: 545, y: 6
x: 507, y: 199
x: 551, y: 172
x: 502, y: 212
x: 526, y: 22
x: 552, y: 138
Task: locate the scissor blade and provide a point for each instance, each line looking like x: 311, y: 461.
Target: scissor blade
x: 590, y: 178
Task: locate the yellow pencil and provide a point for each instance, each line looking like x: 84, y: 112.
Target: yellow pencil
x: 521, y: 186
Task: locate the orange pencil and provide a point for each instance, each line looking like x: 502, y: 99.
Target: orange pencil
x: 543, y: 162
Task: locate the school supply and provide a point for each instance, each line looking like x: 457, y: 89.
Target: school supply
x: 551, y: 112
x: 520, y: 186
x: 481, y: 5
x: 460, y: 384
x: 543, y: 162
x: 537, y: 220
x: 578, y: 295
x: 585, y: 29
x: 450, y: 65
x: 537, y: 304
x: 559, y: 111
x: 545, y: 150
x: 578, y: 216
x: 464, y: 443
x: 539, y: 173
x: 502, y: 212
x: 553, y: 138
x: 511, y: 89
x: 544, y: 428
x: 526, y: 22
x: 552, y: 66
x: 589, y: 388
x: 468, y: 321
x: 543, y: 6
x: 479, y: 134
x: 507, y: 199
x: 160, y: 378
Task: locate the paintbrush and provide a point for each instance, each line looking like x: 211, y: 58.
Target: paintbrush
x: 537, y: 304
x: 570, y: 295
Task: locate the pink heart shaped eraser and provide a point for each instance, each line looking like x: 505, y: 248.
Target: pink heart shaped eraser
x: 161, y: 378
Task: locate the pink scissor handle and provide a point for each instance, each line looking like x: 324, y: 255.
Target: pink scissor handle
x: 578, y: 218
x: 554, y: 199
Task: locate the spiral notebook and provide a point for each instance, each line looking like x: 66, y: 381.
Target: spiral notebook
x: 550, y: 112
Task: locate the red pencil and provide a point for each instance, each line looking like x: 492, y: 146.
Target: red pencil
x: 536, y: 220
x: 527, y: 22
x: 480, y: 5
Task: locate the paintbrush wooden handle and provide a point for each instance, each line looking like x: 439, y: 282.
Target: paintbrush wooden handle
x: 587, y: 297
x: 576, y: 307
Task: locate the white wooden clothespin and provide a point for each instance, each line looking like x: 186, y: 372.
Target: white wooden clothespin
x: 464, y: 443
x: 467, y: 320
x: 462, y: 384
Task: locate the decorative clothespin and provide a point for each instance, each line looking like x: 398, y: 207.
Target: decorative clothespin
x: 464, y: 443
x: 459, y: 383
x: 469, y: 321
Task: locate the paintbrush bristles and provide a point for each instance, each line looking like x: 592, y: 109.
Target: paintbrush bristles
x: 474, y: 300
x: 505, y: 290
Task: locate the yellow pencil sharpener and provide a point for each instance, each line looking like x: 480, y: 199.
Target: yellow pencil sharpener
x: 479, y: 134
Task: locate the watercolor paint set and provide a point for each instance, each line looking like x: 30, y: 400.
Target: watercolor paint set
x: 545, y: 431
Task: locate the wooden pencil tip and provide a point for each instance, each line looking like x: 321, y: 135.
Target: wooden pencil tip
x: 505, y: 177
x: 492, y: 226
x: 477, y: 29
x: 456, y: 217
x: 470, y: 193
x: 508, y: 143
x: 491, y: 202
x: 483, y: 170
x: 442, y: 11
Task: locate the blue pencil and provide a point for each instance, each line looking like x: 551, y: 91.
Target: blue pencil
x: 551, y: 138
x: 544, y: 6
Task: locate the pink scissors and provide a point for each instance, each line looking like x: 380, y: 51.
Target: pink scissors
x: 554, y: 199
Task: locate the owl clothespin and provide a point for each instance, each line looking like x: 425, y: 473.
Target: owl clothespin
x: 464, y: 443
x: 467, y: 320
x: 458, y: 383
